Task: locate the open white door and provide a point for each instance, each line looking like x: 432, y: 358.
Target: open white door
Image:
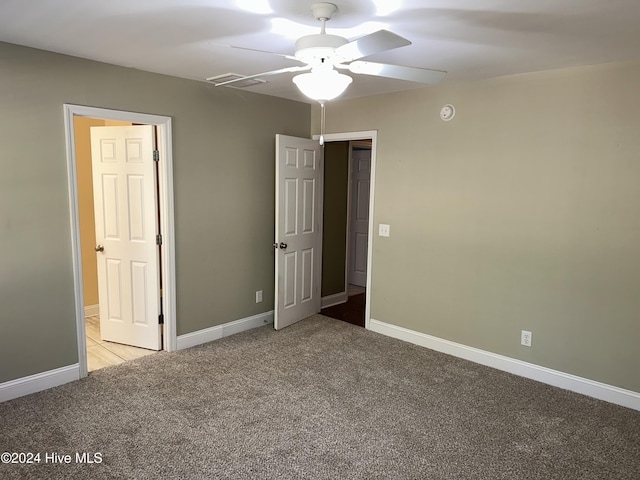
x: 298, y: 239
x: 126, y: 225
x: 359, y: 227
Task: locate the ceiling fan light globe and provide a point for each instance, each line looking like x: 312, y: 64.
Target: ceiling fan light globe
x: 322, y: 86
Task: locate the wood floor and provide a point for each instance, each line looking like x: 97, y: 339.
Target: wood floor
x: 352, y: 311
x: 102, y: 354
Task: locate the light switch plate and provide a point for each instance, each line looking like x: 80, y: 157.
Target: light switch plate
x: 384, y: 230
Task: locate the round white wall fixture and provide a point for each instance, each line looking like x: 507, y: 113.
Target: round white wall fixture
x: 447, y: 112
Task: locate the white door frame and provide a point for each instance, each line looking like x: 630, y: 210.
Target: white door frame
x: 363, y: 135
x: 165, y: 179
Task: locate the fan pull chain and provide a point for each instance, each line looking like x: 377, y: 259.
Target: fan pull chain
x: 321, y: 123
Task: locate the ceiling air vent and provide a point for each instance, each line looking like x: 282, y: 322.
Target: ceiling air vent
x: 226, y: 77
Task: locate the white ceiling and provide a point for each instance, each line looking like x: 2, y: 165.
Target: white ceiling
x: 470, y: 39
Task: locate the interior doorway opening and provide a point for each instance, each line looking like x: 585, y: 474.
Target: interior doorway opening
x: 103, y: 350
x: 348, y: 226
x: 86, y: 310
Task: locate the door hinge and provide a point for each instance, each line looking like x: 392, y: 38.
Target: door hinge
x: 156, y: 156
x: 158, y: 239
x: 161, y: 319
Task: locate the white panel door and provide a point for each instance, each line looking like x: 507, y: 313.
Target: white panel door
x: 126, y: 224
x: 299, y: 163
x: 359, y: 227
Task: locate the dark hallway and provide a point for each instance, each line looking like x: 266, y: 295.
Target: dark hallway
x: 352, y: 311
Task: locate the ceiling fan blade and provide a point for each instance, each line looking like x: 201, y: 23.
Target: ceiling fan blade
x: 290, y: 57
x: 377, y: 42
x: 263, y: 74
x: 412, y: 74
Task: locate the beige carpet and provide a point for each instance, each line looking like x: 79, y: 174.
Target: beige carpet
x: 322, y: 399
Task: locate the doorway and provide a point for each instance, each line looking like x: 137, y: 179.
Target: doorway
x: 86, y: 311
x: 348, y: 220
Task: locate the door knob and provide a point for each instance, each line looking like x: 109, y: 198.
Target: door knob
x: 99, y: 248
x: 283, y: 246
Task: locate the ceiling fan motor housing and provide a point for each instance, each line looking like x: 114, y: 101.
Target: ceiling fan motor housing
x: 317, y: 48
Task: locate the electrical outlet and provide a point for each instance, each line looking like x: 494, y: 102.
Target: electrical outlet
x: 525, y: 338
x: 384, y: 230
x: 259, y: 296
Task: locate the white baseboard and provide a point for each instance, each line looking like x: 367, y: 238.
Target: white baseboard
x: 38, y: 382
x: 219, y: 331
x: 602, y: 391
x: 335, y: 299
x: 91, y: 310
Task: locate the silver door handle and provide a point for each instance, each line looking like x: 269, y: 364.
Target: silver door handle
x: 99, y: 248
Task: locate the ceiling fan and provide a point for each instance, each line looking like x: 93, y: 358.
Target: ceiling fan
x: 324, y: 55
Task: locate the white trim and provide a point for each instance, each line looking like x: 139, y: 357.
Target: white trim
x: 165, y: 178
x: 219, y: 331
x: 91, y: 310
x: 602, y: 391
x: 38, y: 382
x: 335, y: 299
x: 165, y: 145
x: 364, y: 135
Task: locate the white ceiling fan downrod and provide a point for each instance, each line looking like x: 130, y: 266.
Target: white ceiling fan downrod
x: 322, y: 122
x: 323, y: 26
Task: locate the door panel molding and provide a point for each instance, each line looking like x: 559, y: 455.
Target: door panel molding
x: 136, y: 249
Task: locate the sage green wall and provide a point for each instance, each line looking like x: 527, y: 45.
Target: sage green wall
x: 334, y: 231
x: 523, y: 212
x: 224, y: 189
